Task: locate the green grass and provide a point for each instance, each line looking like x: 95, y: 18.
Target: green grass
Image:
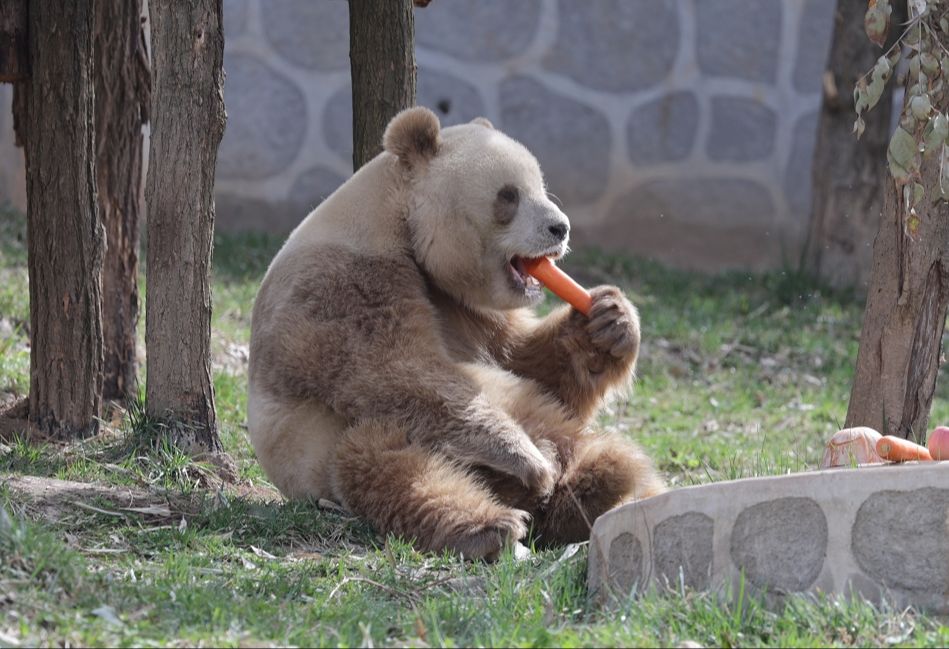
x: 741, y: 375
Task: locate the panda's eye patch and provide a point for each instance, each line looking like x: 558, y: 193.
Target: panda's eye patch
x: 505, y: 206
x: 508, y: 194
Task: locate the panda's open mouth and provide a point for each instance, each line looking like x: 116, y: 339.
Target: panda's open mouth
x: 522, y: 281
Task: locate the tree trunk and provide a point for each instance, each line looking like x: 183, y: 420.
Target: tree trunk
x: 187, y: 119
x: 849, y: 174
x: 382, y: 59
x: 905, y: 317
x: 122, y: 89
x: 53, y: 114
x: 14, y: 47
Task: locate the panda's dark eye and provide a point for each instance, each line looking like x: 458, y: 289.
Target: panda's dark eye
x: 505, y: 207
x: 508, y: 194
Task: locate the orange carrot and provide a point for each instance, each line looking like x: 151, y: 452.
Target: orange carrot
x: 897, y: 449
x: 561, y: 284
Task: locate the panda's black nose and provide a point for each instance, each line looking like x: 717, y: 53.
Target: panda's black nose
x: 559, y: 230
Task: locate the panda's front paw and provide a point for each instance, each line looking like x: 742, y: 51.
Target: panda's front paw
x: 539, y: 472
x: 613, y: 324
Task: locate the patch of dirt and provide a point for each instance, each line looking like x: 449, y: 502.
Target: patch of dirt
x: 51, y: 498
x: 254, y: 491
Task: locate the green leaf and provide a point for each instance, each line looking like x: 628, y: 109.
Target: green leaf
x: 921, y: 107
x: 918, y: 192
x: 882, y: 68
x: 876, y: 22
x: 936, y: 132
x: 902, y: 156
x: 914, y: 66
x: 902, y: 147
x: 918, y: 6
x: 895, y: 58
x: 874, y: 92
x: 907, y: 121
x: 860, y: 101
x: 859, y: 126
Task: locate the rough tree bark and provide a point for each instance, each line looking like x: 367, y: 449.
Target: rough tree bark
x: 53, y: 116
x: 382, y: 62
x: 848, y: 174
x: 187, y: 118
x: 14, y: 47
x: 122, y: 95
x: 905, y: 317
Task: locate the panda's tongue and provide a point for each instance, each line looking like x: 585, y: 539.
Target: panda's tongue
x: 527, y: 278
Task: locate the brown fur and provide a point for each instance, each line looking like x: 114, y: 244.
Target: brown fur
x: 375, y: 383
x: 580, y: 359
x: 413, y: 136
x: 405, y: 489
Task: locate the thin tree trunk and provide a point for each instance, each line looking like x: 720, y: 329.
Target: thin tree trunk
x: 905, y: 317
x: 53, y: 114
x: 849, y: 174
x: 14, y: 46
x: 382, y: 61
x: 187, y: 119
x: 122, y: 95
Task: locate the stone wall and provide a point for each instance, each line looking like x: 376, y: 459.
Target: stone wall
x: 878, y: 531
x: 679, y: 129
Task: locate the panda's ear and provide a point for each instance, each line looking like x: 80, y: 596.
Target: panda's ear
x: 483, y: 121
x: 413, y: 136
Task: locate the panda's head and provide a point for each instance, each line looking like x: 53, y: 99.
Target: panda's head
x: 477, y: 207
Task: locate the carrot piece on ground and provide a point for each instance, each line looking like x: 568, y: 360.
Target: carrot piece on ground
x: 897, y: 449
x: 561, y: 284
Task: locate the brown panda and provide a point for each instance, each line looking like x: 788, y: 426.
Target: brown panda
x: 396, y: 365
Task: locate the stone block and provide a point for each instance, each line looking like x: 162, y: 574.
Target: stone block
x: 696, y: 223
x: 338, y: 122
x: 312, y: 35
x: 663, y: 130
x: 901, y: 538
x: 879, y: 531
x: 235, y: 18
x: 615, y: 45
x: 683, y: 554
x: 814, y: 34
x: 454, y: 101
x: 240, y: 213
x: 626, y: 563
x: 480, y: 31
x: 780, y: 544
x: 723, y: 201
x: 798, y: 173
x: 570, y: 139
x: 311, y: 187
x: 741, y: 130
x: 267, y: 118
x: 739, y: 39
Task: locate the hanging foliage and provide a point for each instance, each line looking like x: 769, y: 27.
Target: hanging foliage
x: 924, y: 124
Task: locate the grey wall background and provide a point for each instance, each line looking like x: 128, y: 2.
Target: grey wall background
x: 678, y: 129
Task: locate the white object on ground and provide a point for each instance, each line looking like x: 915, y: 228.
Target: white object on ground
x: 851, y: 446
